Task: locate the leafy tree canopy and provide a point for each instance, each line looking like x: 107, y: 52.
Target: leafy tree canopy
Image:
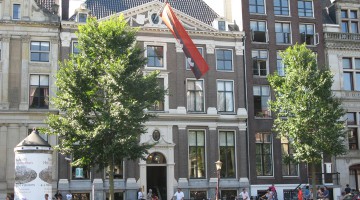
x: 103, y: 94
x: 307, y: 113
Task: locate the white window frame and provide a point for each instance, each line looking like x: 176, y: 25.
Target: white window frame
x: 312, y: 5
x: 288, y: 1
x: 40, y: 51
x: 73, y: 46
x: 187, y: 66
x: 315, y: 35
x: 272, y: 155
x: 258, y: 51
x: 48, y: 86
x: 261, y: 94
x: 203, y: 98
x: 164, y: 67
x: 266, y: 31
x: 235, y: 135
x: 233, y: 95
x: 282, y: 31
x: 205, y: 149
x: 278, y: 58
x: 78, y: 17
x: 13, y: 10
x: 256, y: 13
x: 232, y: 60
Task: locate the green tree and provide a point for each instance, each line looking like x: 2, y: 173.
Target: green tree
x: 102, y: 96
x: 307, y: 113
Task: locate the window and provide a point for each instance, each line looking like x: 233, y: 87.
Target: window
x: 80, y: 196
x: 198, y: 195
x: 224, y: 59
x: 280, y: 67
x: 228, y: 194
x: 257, y: 6
x: 351, y: 74
x: 16, y: 11
x: 155, y: 56
x: 264, y: 154
x: 80, y: 172
x: 289, y: 168
x: 261, y: 98
x: 353, y: 125
x: 260, y: 60
x: 305, y: 8
x: 195, y: 95
x: 221, y: 26
x: 82, y: 17
x: 227, y: 153
x: 159, y: 105
x: 196, y: 154
x: 75, y: 49
x: 118, y: 171
x: 281, y: 7
x: 258, y: 31
x: 307, y: 34
x: 39, y: 91
x: 40, y: 51
x: 349, y: 21
x: 117, y: 196
x: 200, y: 49
x: 283, y: 33
x: 225, y: 96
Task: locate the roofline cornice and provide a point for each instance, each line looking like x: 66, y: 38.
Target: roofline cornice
x: 194, y: 32
x: 29, y: 23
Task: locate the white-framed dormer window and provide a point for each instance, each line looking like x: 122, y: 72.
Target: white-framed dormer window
x: 224, y: 60
x: 260, y: 62
x: 221, y: 26
x: 82, y: 17
x: 39, y: 51
x: 156, y: 55
x: 16, y: 11
x: 200, y: 49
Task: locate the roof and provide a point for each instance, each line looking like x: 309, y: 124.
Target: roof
x: 34, y: 139
x: 194, y: 8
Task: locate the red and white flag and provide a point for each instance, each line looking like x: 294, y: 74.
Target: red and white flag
x: 197, y: 63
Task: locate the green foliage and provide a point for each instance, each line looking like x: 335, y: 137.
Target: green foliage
x: 307, y: 113
x: 102, y: 96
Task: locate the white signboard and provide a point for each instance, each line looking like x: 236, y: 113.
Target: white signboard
x: 33, y: 176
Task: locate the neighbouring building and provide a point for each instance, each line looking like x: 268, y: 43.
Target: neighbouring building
x: 199, y: 122
x: 342, y: 50
x: 29, y: 46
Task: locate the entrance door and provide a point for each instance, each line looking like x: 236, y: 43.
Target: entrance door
x: 156, y: 180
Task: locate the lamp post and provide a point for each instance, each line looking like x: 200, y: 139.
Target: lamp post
x: 218, y: 169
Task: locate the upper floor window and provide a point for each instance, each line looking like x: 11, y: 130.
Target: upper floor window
x: 221, y: 25
x: 159, y: 105
x: 264, y: 159
x: 82, y: 17
x: 288, y: 168
x: 224, y: 59
x: 200, y: 49
x: 195, y: 95
x: 353, y: 128
x: 225, y: 96
x: 261, y: 98
x: 280, y: 67
x: 227, y: 153
x: 118, y: 171
x: 75, y: 49
x: 16, y: 11
x: 39, y: 91
x: 260, y: 60
x: 283, y: 33
x: 281, y: 7
x: 351, y: 74
x: 305, y: 8
x: 349, y: 21
x: 40, y: 51
x: 307, y: 32
x: 258, y: 31
x: 257, y: 6
x: 196, y: 161
x: 155, y: 56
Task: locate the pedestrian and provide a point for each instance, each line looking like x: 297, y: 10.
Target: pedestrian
x: 58, y: 196
x: 300, y: 194
x: 244, y: 194
x: 347, y: 189
x: 179, y: 195
x: 319, y: 193
x: 326, y: 193
x: 8, y: 197
x: 46, y: 196
x: 149, y: 195
x: 307, y: 193
x: 140, y: 195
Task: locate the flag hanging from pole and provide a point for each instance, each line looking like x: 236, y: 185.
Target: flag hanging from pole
x: 196, y: 62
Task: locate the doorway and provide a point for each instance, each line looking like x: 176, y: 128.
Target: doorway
x: 156, y: 180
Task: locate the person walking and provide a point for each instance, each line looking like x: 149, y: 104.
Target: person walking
x: 300, y: 194
x: 179, y: 195
x: 244, y: 194
x: 149, y: 195
x: 46, y: 196
x: 347, y: 189
x: 140, y: 195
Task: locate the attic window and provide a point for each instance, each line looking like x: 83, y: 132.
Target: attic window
x: 221, y: 26
x: 82, y: 17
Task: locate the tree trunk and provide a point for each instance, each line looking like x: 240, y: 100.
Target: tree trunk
x: 111, y: 181
x: 313, y: 180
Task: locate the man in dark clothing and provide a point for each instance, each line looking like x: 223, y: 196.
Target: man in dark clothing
x: 347, y: 189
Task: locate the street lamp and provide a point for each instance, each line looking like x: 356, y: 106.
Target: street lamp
x: 218, y: 169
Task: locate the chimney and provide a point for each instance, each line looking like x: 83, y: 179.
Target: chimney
x: 65, y: 9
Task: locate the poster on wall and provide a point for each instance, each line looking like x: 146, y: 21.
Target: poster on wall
x: 33, y: 176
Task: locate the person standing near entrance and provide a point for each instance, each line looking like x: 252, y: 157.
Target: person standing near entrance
x: 140, y: 195
x: 179, y: 195
x: 347, y: 189
x: 149, y: 195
